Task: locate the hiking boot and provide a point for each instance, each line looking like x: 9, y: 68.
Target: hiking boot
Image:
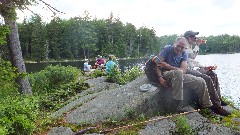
x: 223, y: 103
x: 178, y: 107
x: 221, y: 111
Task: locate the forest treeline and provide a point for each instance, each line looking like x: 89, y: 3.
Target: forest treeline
x: 83, y: 37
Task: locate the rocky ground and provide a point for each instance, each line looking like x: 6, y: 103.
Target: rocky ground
x: 109, y: 100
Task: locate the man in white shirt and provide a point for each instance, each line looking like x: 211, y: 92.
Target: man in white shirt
x: 204, y: 72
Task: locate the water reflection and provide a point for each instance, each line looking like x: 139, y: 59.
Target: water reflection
x: 228, y: 72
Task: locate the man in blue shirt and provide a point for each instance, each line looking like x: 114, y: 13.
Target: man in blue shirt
x: 171, y: 66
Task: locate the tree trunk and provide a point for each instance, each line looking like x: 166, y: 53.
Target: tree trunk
x: 16, y: 56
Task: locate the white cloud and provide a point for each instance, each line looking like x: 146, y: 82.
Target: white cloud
x: 209, y: 17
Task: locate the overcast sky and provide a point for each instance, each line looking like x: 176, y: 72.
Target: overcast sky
x: 209, y: 17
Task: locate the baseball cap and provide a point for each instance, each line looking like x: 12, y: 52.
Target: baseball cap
x: 190, y: 33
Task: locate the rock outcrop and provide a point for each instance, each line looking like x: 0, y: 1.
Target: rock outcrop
x: 105, y: 101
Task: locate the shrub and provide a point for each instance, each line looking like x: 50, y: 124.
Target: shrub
x: 18, y: 115
x: 115, y: 75
x: 97, y: 73
x: 52, y: 77
x: 182, y: 127
x: 121, y: 78
x: 7, y: 79
x: 132, y: 74
x: 58, y: 98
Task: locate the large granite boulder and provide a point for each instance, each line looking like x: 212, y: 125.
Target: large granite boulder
x: 121, y: 101
x: 104, y: 101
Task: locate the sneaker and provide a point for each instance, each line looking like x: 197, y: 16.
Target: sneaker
x: 221, y: 111
x: 223, y: 103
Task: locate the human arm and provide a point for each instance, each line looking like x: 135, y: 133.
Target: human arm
x: 162, y: 81
x: 160, y: 62
x: 192, y: 53
x: 176, y: 62
x: 183, y: 66
x: 157, y: 59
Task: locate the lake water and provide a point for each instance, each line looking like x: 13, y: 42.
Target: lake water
x: 123, y: 64
x: 228, y: 70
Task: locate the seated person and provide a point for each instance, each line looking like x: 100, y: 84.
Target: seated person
x: 110, y: 64
x: 100, y: 62
x: 169, y: 67
x: 206, y: 73
x: 86, y: 66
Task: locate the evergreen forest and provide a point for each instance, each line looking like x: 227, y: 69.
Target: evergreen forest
x: 83, y: 37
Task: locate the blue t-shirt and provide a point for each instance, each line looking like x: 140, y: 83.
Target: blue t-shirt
x: 171, y: 57
x: 109, y: 66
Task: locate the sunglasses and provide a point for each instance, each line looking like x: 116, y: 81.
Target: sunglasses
x: 192, y: 36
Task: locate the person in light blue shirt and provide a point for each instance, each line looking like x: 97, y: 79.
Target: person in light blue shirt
x: 111, y: 63
x: 86, y: 66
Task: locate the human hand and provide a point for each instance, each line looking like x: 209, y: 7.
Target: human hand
x: 204, y: 41
x: 163, y: 64
x: 201, y: 41
x: 209, y: 68
x: 163, y: 82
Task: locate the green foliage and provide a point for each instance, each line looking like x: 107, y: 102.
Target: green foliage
x: 8, y: 8
x: 133, y: 73
x: 38, y: 40
x: 7, y: 78
x: 127, y: 132
x: 229, y: 100
x: 97, y: 73
x: 56, y: 84
x: 231, y: 121
x: 114, y: 75
x: 182, y: 127
x: 3, y: 31
x: 122, y: 78
x: 207, y: 113
x: 18, y: 115
x: 83, y: 37
x: 58, y: 97
x: 52, y: 77
x: 130, y: 113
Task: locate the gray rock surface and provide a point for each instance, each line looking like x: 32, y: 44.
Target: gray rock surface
x: 108, y: 101
x: 197, y: 122
x: 86, y: 95
x: 60, y: 131
x: 118, y: 103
